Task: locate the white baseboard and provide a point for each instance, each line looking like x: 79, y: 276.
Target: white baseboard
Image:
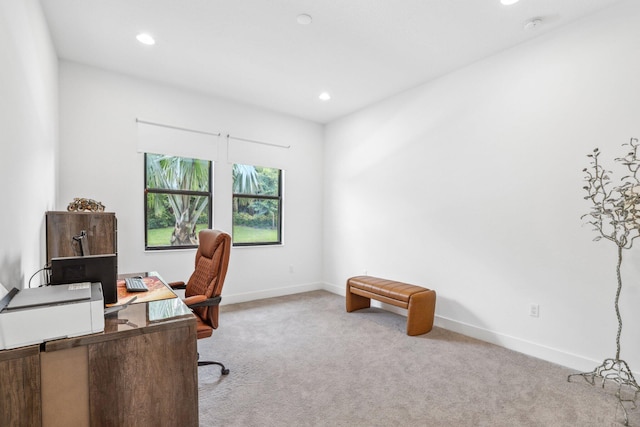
x: 338, y: 290
x: 550, y: 354
x: 553, y: 355
x: 270, y: 293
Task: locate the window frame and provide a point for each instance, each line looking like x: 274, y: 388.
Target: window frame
x: 277, y: 197
x: 161, y: 191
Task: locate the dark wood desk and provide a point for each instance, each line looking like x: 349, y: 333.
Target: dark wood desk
x: 141, y: 371
x: 20, y: 387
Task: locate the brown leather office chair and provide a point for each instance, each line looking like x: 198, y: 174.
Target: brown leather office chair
x: 202, y: 291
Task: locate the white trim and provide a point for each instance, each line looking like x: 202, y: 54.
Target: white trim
x: 540, y: 351
x: 550, y: 354
x: 269, y: 293
x: 339, y: 290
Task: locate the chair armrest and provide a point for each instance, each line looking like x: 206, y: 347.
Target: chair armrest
x: 178, y: 285
x: 201, y: 301
x: 194, y: 299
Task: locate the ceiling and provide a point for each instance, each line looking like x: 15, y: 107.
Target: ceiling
x: 255, y: 51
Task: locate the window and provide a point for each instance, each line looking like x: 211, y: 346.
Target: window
x: 257, y: 205
x: 177, y: 200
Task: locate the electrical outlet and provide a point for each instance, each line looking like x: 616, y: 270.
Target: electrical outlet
x: 534, y: 310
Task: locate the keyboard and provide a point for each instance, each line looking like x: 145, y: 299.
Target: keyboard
x: 135, y: 284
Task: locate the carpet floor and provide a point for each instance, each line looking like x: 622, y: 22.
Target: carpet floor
x: 301, y: 360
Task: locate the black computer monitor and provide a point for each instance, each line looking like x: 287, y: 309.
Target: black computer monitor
x: 92, y: 268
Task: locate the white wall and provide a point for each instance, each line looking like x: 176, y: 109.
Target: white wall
x: 28, y: 138
x: 472, y: 185
x: 98, y: 160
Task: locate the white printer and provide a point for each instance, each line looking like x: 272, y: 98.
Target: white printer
x: 34, y: 315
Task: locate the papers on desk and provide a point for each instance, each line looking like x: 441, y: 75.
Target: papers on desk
x: 166, y: 309
x: 157, y: 291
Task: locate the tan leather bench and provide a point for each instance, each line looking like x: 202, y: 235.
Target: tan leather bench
x: 420, y: 302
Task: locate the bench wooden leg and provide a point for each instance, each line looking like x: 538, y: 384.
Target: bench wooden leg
x: 356, y: 302
x: 421, y: 311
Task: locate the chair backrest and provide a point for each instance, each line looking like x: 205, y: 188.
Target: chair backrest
x: 212, y: 261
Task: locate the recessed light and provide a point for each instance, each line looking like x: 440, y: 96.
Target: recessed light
x: 324, y: 96
x: 509, y: 2
x: 145, y: 38
x: 304, y: 19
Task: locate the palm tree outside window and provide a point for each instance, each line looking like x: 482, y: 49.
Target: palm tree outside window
x: 257, y: 205
x: 178, y: 200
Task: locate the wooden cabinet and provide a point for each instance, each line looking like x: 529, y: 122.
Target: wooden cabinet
x: 145, y: 380
x: 141, y: 371
x: 20, y: 404
x: 100, y: 227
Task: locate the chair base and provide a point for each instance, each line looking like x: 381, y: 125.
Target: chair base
x: 223, y: 370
